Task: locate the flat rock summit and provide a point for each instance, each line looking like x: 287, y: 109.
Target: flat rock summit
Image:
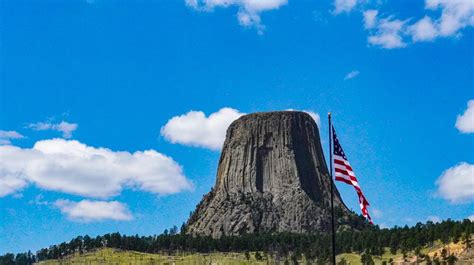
x: 272, y: 177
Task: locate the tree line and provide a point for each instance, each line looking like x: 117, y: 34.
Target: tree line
x: 370, y: 240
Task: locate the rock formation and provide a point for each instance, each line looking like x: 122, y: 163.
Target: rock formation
x: 272, y: 177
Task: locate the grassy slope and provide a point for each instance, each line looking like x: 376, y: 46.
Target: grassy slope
x: 111, y: 256
x: 458, y: 250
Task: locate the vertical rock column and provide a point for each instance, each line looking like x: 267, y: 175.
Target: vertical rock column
x: 272, y: 177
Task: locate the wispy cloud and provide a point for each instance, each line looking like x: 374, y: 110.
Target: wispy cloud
x: 341, y: 6
x: 249, y: 10
x: 7, y: 136
x: 389, y: 32
x: 386, y: 32
x: 351, y: 74
x: 39, y: 200
x: 64, y: 127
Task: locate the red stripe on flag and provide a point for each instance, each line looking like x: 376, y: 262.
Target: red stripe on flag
x: 340, y: 162
x: 344, y: 172
x: 344, y: 180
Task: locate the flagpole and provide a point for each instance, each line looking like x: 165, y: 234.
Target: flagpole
x: 333, y: 232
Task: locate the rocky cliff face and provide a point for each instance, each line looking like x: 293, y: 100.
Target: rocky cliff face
x: 272, y: 177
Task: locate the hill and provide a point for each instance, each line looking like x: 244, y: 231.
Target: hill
x: 445, y: 241
x: 116, y: 256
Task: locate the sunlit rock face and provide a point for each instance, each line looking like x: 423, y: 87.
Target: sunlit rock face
x: 272, y: 177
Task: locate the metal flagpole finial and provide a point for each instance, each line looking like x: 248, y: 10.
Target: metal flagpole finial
x: 329, y: 114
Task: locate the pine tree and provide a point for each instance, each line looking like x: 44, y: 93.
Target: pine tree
x: 366, y: 259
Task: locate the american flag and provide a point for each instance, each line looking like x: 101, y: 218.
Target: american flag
x: 343, y: 172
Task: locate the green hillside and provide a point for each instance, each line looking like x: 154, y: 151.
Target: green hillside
x: 443, y: 243
x: 115, y: 256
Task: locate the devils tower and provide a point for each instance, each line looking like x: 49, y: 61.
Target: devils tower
x: 272, y: 177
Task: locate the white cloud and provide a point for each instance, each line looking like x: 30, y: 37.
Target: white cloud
x: 248, y: 10
x: 423, y: 30
x: 75, y: 168
x: 195, y: 129
x: 465, y: 122
x: 471, y: 217
x: 434, y: 219
x: 88, y: 211
x: 456, y: 184
x: 7, y: 136
x: 65, y: 127
x: 341, y: 6
x: 10, y: 183
x: 370, y: 18
x: 387, y: 33
x: 391, y: 33
x: 351, y: 74
x: 455, y: 15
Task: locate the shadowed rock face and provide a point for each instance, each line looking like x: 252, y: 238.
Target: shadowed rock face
x: 272, y: 177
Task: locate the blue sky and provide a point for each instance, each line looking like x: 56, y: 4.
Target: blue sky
x: 95, y: 98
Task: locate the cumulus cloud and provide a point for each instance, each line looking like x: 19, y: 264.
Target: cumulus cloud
x: 248, y: 10
x: 64, y: 127
x: 392, y: 33
x: 341, y: 6
x: 88, y: 211
x: 7, y: 136
x: 351, y: 74
x: 465, y: 122
x: 72, y: 167
x: 456, y: 184
x: 195, y: 129
x: 471, y: 217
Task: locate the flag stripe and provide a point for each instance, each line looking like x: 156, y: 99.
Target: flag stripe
x: 343, y: 172
x: 344, y: 180
x: 340, y: 164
